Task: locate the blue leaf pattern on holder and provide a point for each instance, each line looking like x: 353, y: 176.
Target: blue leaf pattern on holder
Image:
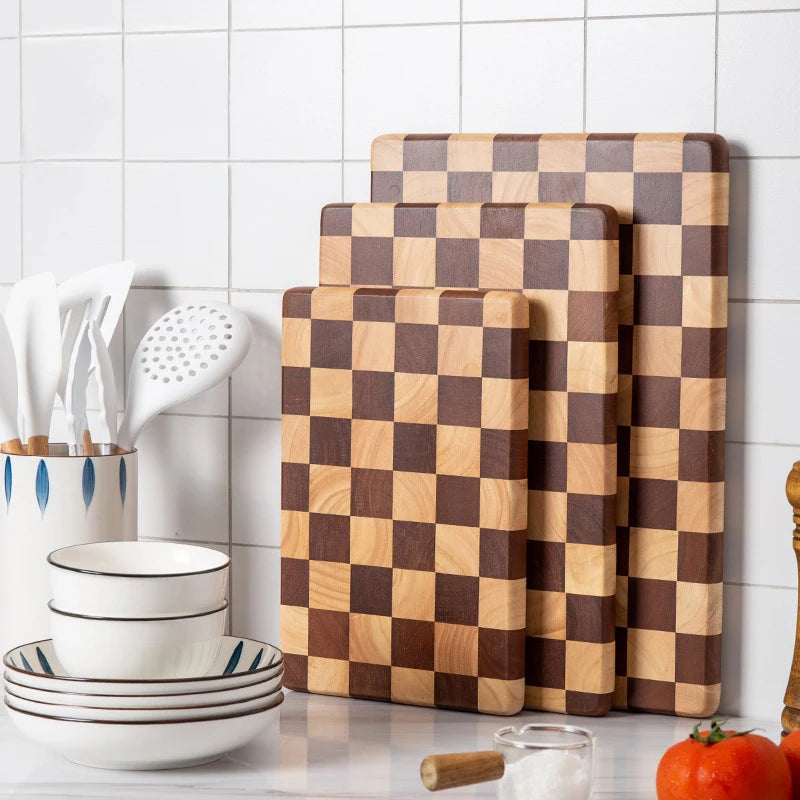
x: 257, y: 659
x: 88, y: 483
x: 233, y: 661
x: 48, y: 670
x: 42, y: 486
x: 25, y: 663
x: 8, y: 481
x: 123, y: 480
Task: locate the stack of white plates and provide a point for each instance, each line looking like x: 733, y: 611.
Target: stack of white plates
x: 145, y: 724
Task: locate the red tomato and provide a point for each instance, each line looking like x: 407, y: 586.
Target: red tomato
x: 790, y: 747
x: 724, y: 765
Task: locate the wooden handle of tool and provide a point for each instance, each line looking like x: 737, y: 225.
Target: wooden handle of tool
x: 13, y: 447
x: 450, y: 770
x: 37, y: 446
x: 88, y: 445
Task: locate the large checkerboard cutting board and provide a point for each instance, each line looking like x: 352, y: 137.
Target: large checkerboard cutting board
x: 671, y: 192
x: 564, y: 258
x: 404, y: 483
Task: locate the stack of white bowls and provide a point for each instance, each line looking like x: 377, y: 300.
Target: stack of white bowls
x: 138, y: 674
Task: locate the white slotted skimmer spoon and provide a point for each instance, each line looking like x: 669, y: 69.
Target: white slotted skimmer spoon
x: 190, y: 349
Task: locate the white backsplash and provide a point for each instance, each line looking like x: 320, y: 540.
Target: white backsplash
x: 201, y: 138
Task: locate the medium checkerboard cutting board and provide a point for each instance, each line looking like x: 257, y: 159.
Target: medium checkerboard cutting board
x: 564, y: 257
x: 671, y: 192
x: 404, y: 465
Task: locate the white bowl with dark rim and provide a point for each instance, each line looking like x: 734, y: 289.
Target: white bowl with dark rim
x: 138, y: 579
x: 239, y: 663
x: 132, y: 649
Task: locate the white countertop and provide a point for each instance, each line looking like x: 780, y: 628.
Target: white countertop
x: 335, y: 748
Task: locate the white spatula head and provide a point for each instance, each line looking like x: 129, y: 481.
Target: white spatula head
x: 8, y: 388
x: 190, y: 349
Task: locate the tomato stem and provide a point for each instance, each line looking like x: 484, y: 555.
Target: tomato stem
x: 716, y: 734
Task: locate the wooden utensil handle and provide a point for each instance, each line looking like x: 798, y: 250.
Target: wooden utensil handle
x: 37, y: 446
x: 450, y: 770
x: 12, y: 446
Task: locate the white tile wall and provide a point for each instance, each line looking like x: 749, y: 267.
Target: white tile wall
x: 203, y: 136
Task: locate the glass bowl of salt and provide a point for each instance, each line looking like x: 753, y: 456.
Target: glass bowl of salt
x: 545, y: 762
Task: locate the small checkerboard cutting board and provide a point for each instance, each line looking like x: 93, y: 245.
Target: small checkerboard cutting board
x: 671, y: 193
x: 564, y: 259
x: 404, y: 465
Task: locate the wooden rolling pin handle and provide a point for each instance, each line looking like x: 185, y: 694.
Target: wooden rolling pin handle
x: 38, y: 446
x: 790, y: 718
x: 450, y: 770
x: 13, y: 447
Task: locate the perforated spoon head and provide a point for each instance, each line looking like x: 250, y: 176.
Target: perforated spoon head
x: 190, y: 349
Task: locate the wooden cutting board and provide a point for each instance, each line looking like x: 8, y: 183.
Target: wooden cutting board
x: 404, y: 478
x: 564, y: 259
x: 671, y: 192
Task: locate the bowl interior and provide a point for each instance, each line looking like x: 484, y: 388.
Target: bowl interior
x: 237, y: 656
x: 139, y: 559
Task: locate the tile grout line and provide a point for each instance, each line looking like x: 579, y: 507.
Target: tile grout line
x: 122, y: 228
x: 341, y: 194
x: 21, y: 151
x: 230, y: 281
x: 716, y: 61
x: 585, y: 57
x: 460, y: 66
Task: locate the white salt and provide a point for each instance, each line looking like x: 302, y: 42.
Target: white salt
x: 546, y: 775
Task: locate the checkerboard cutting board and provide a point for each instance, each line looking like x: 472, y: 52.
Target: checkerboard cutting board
x: 564, y: 257
x: 404, y: 512
x: 671, y: 192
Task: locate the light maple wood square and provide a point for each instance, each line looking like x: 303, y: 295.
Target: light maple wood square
x: 294, y: 534
x: 455, y: 649
x: 335, y: 260
x: 651, y: 655
x: 500, y: 263
x: 504, y: 504
x: 373, y: 346
x: 461, y: 350
x: 514, y: 187
x: 700, y: 506
x: 296, y: 338
x: 657, y: 350
x: 373, y: 219
x: 414, y: 261
x: 653, y: 554
x: 329, y: 676
x: 550, y: 221
x: 413, y: 686
x: 590, y: 667
x: 592, y: 367
x: 697, y: 701
x: 371, y: 541
x: 416, y: 398
x: 458, y: 550
x: 329, y: 585
x: 703, y: 404
x: 593, y: 265
x: 548, y: 416
x: 613, y: 189
x: 413, y: 594
x: 505, y: 309
x: 336, y: 303
x: 458, y: 221
x: 504, y: 403
x: 590, y: 569
x: 414, y: 497
x: 294, y: 630
x: 705, y: 198
x: 705, y: 301
x: 469, y: 153
x: 501, y: 604
x: 547, y: 516
x: 654, y: 453
x: 658, y: 152
x: 698, y: 608
x: 657, y: 249
x: 562, y: 153
x: 591, y: 468
x: 295, y: 438
x: 371, y: 444
x: 370, y: 639
x: 426, y: 187
x: 546, y: 699
x: 387, y: 153
x: 331, y: 393
x: 458, y: 451
x: 546, y: 614
x: 548, y: 314
x: 329, y: 489
x: 498, y: 696
x: 417, y: 306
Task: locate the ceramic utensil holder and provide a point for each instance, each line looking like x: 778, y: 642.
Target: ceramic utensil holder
x: 50, y: 502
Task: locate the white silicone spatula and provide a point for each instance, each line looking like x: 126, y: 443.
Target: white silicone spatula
x: 190, y: 349
x: 9, y: 437
x: 103, y: 372
x: 75, y: 393
x: 33, y: 324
